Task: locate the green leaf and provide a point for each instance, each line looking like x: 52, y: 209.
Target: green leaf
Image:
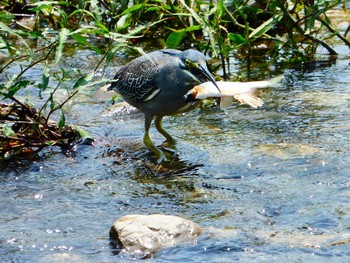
x: 64, y: 18
x: 80, y: 39
x: 11, y: 91
x: 6, y: 17
x: 122, y: 22
x: 83, y: 133
x: 44, y: 3
x: 52, y: 102
x: 50, y: 143
x: 237, y: 39
x: 81, y: 11
x: 133, y: 8
x: 62, y: 121
x: 189, y: 29
x: 62, y: 38
x: 264, y: 27
x: 220, y: 8
x: 6, y: 130
x: 102, y: 27
x: 45, y: 78
x: 6, y: 29
x: 96, y: 49
x: 153, y: 8
x: 83, y: 81
x: 112, y: 51
x: 174, y: 40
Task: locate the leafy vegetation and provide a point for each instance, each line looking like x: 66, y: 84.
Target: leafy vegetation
x: 37, y: 32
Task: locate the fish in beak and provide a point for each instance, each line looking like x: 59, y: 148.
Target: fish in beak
x: 204, y: 72
x: 244, y: 92
x: 191, y: 95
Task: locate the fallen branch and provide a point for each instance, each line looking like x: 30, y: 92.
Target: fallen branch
x: 25, y: 132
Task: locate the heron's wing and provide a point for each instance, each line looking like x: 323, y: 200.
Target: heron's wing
x: 138, y: 80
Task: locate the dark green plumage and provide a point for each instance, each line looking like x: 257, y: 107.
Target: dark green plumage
x: 156, y: 83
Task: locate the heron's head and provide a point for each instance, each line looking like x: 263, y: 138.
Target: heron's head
x: 196, y: 63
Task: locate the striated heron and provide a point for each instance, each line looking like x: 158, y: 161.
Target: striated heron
x: 156, y: 83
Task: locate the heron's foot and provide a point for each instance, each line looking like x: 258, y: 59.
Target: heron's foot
x: 167, y: 156
x: 169, y: 143
x: 163, y: 156
x: 157, y: 157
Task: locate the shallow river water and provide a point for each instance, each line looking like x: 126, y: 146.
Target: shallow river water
x: 267, y: 185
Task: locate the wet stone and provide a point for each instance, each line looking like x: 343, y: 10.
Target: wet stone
x: 144, y: 235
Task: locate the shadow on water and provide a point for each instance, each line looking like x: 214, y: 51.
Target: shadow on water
x: 146, y: 165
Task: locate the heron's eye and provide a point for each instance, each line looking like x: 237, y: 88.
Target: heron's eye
x: 190, y: 64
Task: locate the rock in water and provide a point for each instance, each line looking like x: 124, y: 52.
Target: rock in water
x: 144, y: 235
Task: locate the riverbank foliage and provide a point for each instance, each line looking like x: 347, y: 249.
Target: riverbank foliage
x: 36, y: 32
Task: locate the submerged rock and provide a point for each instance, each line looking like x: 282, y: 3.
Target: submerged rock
x: 144, y: 235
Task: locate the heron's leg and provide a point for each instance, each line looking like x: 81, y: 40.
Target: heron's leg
x: 159, y: 127
x: 148, y: 142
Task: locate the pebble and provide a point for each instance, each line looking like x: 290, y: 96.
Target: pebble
x: 143, y: 235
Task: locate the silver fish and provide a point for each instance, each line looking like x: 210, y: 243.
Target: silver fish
x: 244, y: 92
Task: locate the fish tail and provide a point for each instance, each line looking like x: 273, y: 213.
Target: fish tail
x: 276, y: 81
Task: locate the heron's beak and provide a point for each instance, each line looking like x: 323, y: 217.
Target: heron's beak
x: 205, y: 72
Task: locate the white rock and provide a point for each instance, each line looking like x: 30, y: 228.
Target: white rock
x: 144, y: 235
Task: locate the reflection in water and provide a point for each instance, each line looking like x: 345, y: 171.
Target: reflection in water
x: 146, y: 164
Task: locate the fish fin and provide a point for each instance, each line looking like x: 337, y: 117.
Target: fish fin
x: 250, y: 98
x: 225, y: 102
x: 276, y: 81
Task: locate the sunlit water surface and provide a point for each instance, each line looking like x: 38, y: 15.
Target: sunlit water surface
x: 267, y: 185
